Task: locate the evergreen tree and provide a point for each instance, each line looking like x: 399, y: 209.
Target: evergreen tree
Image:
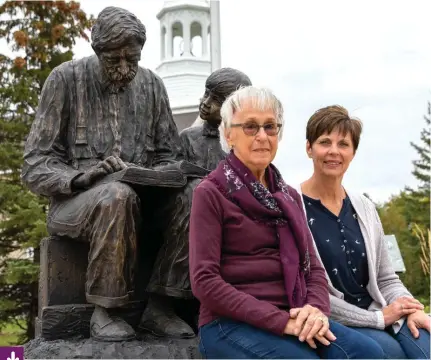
x: 422, y: 166
x: 407, y: 215
x: 396, y: 216
x: 40, y: 36
x: 419, y: 199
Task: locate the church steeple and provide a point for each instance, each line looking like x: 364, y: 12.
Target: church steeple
x: 185, y: 55
x: 184, y: 21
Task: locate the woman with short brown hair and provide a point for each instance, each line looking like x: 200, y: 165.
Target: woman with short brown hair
x: 365, y: 292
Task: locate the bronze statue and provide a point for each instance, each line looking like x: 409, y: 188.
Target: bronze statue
x: 201, y: 143
x: 96, y: 116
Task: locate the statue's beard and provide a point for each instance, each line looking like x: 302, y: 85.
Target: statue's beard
x: 121, y: 79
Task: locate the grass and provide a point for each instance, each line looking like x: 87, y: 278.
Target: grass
x: 9, y: 334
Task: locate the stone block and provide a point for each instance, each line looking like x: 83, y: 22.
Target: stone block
x: 63, y: 265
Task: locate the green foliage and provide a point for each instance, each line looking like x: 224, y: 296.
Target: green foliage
x: 40, y: 36
x: 395, y: 216
x: 422, y: 165
x: 12, y: 332
x: 407, y: 216
x: 426, y: 302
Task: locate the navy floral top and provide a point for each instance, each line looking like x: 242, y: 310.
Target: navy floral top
x: 341, y: 247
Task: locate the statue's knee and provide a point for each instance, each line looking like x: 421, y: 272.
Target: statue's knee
x: 117, y: 193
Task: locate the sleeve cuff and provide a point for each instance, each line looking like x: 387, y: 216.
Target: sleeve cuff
x: 380, y: 320
x: 68, y: 186
x: 397, y: 325
x: 281, y: 325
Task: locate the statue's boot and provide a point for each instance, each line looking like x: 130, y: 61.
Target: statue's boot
x: 160, y: 319
x: 103, y: 327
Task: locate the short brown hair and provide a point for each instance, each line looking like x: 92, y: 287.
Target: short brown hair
x: 325, y: 120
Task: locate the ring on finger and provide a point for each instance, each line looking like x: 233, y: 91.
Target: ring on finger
x: 322, y: 319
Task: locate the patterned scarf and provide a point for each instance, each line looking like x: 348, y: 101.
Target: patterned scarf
x: 274, y: 207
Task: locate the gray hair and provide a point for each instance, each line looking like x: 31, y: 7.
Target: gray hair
x: 261, y: 98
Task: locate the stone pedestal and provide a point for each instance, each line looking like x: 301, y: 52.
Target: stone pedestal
x: 62, y: 326
x: 145, y: 347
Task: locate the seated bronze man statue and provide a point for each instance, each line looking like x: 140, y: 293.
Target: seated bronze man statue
x: 202, y: 143
x: 96, y: 116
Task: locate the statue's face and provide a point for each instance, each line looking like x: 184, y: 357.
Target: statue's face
x: 209, y: 108
x: 121, y: 64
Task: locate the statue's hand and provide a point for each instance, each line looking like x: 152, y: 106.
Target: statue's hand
x: 108, y: 166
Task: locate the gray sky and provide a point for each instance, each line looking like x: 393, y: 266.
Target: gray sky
x: 373, y: 57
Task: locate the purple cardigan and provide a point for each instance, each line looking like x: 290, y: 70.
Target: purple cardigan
x: 235, y: 266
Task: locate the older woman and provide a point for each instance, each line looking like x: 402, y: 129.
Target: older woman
x: 366, y: 294
x: 263, y: 293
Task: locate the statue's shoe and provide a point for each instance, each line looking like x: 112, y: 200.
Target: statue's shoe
x: 166, y: 326
x: 104, y: 328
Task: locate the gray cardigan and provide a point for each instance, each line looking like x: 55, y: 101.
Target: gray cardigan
x: 384, y: 285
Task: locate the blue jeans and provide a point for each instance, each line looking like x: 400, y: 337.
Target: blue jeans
x: 229, y: 339
x: 401, y: 345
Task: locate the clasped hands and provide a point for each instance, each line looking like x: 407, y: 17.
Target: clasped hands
x: 410, y: 307
x: 309, y: 324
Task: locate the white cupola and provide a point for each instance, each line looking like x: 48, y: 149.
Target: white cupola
x: 185, y: 55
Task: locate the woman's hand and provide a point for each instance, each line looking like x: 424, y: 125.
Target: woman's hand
x: 309, y: 323
x: 418, y: 320
x: 402, y: 306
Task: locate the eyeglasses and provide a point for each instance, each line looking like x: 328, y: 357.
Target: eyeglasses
x: 251, y: 128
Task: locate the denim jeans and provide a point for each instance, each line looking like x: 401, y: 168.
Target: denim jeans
x: 229, y: 339
x: 401, y: 345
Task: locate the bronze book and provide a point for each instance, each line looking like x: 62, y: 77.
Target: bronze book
x: 170, y: 175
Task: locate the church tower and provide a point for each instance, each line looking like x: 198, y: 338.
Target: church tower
x: 185, y: 55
